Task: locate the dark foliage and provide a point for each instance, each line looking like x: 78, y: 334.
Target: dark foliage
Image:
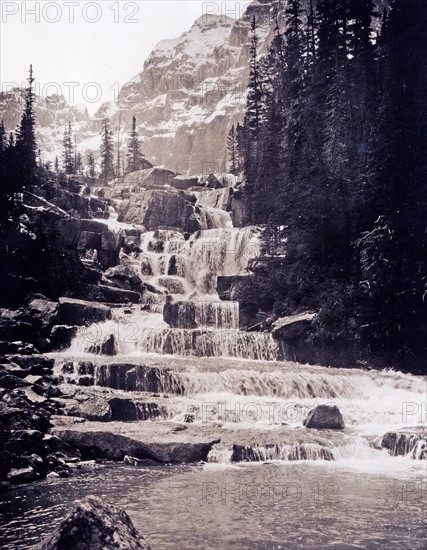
x: 333, y: 147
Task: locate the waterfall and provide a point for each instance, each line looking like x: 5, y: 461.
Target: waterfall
x: 181, y: 358
x: 261, y: 453
x: 207, y: 343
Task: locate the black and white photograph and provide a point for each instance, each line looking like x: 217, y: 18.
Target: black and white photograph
x: 213, y: 275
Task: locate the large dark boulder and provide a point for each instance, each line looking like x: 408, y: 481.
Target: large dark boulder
x: 81, y: 312
x: 42, y: 312
x: 293, y: 326
x: 95, y: 525
x: 325, y: 417
x: 212, y: 182
x: 119, y: 439
x: 21, y: 475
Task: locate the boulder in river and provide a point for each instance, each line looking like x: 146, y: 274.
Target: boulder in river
x: 95, y: 525
x: 95, y: 408
x: 325, y: 417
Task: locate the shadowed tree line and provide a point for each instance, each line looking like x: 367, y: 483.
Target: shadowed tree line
x: 333, y: 153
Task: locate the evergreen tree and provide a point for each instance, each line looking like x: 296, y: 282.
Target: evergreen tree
x: 107, y: 151
x: 78, y: 163
x: 91, y: 165
x: 232, y: 150
x: 3, y: 139
x: 254, y: 116
x: 395, y: 310
x: 56, y: 165
x: 26, y: 146
x: 134, y: 154
x: 68, y: 150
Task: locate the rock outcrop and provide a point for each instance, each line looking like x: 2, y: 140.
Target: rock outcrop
x: 407, y: 442
x: 27, y: 391
x: 161, y: 208
x: 159, y: 442
x: 325, y: 417
x: 293, y: 326
x: 95, y: 525
x: 81, y: 312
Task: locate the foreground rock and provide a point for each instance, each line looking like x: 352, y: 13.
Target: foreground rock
x: 159, y: 442
x: 410, y: 442
x: 94, y: 525
x: 325, y: 417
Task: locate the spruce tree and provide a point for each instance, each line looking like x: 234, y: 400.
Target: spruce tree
x: 91, y: 165
x: 26, y: 145
x: 134, y: 154
x: 78, y: 165
x: 252, y: 124
x: 3, y: 139
x: 232, y: 150
x: 107, y: 151
x: 68, y: 150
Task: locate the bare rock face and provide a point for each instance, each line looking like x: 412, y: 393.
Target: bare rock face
x: 325, y: 417
x: 161, y: 207
x: 94, y: 525
x: 149, y: 178
x: 81, y: 312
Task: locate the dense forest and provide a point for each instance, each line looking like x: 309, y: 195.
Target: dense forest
x: 32, y: 258
x: 332, y: 148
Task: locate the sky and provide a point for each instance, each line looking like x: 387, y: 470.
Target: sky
x: 86, y: 50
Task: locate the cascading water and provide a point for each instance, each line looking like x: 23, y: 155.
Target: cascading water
x: 184, y: 352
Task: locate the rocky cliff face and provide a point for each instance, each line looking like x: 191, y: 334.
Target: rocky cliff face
x: 189, y: 93
x: 52, y: 114
x: 191, y: 90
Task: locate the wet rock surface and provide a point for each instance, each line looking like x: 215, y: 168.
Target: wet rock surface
x: 81, y: 312
x: 160, y: 442
x: 325, y: 417
x: 95, y: 525
x: 25, y: 419
x: 406, y: 442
